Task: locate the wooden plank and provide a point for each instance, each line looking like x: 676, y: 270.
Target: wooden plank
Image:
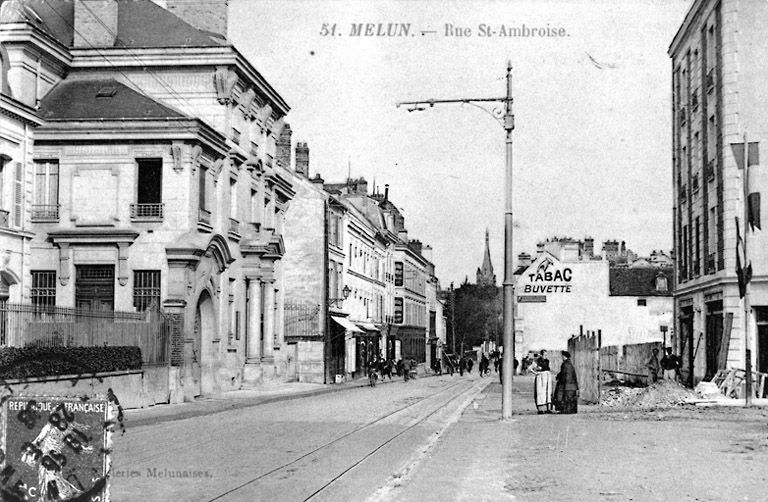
x: 725, y: 341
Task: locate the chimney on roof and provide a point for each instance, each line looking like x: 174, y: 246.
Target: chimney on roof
x: 426, y: 252
x: 283, y: 147
x: 524, y: 260
x: 302, y: 159
x: 12, y: 11
x: 357, y: 186
x: 95, y: 23
x: 207, y: 15
x: 402, y: 234
x: 386, y: 192
x: 589, y: 247
x: 415, y: 245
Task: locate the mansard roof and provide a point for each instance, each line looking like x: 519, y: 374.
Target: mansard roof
x: 639, y: 281
x: 140, y: 23
x: 101, y: 99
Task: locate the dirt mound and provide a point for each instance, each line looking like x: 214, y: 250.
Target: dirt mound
x: 661, y: 394
x: 619, y: 396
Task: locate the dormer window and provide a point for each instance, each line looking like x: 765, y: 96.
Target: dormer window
x: 661, y: 283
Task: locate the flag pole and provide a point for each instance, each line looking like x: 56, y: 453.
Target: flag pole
x: 747, y: 313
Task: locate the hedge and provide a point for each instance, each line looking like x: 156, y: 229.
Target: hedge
x: 27, y: 362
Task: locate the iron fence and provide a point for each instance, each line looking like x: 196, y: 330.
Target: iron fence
x: 23, y: 325
x: 302, y: 320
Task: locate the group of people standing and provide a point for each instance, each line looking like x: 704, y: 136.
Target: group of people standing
x: 386, y: 367
x: 668, y: 367
x: 564, y: 395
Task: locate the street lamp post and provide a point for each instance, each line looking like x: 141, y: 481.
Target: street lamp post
x: 507, y: 121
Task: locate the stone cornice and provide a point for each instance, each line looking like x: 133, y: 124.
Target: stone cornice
x: 132, y: 129
x: 693, y: 13
x: 93, y: 236
x: 19, y: 110
x: 17, y: 33
x: 224, y: 55
x: 281, y: 183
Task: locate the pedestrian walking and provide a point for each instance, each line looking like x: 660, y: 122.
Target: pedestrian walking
x: 462, y: 365
x: 406, y: 370
x: 470, y: 363
x: 451, y: 365
x: 670, y: 365
x: 653, y: 367
x: 542, y: 384
x: 567, y: 387
x: 399, y: 367
x: 484, y: 365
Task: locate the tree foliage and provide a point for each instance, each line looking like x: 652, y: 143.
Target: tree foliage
x: 477, y: 314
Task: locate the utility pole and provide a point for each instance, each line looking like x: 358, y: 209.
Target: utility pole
x: 453, y: 321
x: 747, y: 306
x: 507, y: 120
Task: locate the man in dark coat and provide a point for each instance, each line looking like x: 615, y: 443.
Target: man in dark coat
x: 567, y: 388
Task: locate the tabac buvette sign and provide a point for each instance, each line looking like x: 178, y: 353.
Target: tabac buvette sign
x: 546, y: 278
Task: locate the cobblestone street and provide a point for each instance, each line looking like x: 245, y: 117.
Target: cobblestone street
x: 437, y: 439
x: 288, y: 450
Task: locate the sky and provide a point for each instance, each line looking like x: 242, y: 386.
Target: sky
x: 592, y: 138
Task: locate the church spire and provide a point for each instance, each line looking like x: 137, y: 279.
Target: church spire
x: 485, y: 275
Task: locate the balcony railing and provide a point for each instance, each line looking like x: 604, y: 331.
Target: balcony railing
x: 152, y: 211
x: 695, y: 100
x: 204, y: 216
x: 234, y: 226
x: 710, y: 80
x: 683, y: 193
x: 45, y: 212
x: 709, y: 170
x: 711, y: 258
x: 695, y: 182
x: 682, y: 115
x: 4, y: 219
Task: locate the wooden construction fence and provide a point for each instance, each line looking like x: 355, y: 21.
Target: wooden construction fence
x: 585, y: 355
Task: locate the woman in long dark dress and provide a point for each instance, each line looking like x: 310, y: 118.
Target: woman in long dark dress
x: 567, y: 389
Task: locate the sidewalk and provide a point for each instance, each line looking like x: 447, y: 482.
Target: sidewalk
x: 600, y: 454
x: 244, y: 398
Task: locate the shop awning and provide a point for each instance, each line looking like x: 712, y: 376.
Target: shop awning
x: 344, y: 323
x: 367, y: 326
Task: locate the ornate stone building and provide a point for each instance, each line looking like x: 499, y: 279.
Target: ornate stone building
x: 17, y: 124
x: 155, y: 179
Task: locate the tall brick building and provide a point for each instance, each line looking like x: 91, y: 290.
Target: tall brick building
x: 719, y: 96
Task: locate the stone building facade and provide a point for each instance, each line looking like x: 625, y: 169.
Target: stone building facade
x: 718, y: 96
x: 17, y: 126
x: 155, y: 178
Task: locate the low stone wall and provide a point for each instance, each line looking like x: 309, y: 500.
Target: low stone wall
x: 309, y: 362
x: 134, y: 388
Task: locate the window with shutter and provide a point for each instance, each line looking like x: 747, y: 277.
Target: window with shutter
x: 18, y: 195
x: 45, y: 206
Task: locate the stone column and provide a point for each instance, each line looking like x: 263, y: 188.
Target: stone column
x: 269, y: 319
x: 253, y: 349
x: 280, y: 318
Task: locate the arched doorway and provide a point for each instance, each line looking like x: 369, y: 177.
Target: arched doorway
x: 202, y: 364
